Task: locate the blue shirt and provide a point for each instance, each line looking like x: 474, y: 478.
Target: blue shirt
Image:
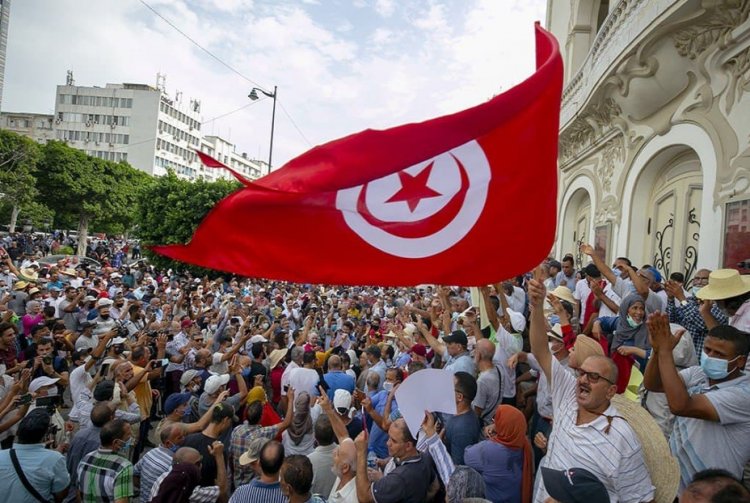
x: 378, y: 437
x: 338, y: 379
x: 379, y: 368
x: 259, y: 492
x: 501, y: 468
x: 45, y: 470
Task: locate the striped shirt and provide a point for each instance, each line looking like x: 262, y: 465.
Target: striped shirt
x: 259, y: 492
x: 615, y: 458
x: 104, y: 476
x: 208, y: 494
x: 154, y: 463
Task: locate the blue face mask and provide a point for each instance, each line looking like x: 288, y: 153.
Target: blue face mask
x: 126, y: 446
x: 633, y: 323
x: 715, y: 368
x: 174, y: 448
x: 694, y: 290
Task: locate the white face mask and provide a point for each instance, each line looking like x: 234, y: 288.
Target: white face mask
x: 52, y: 391
x: 388, y: 386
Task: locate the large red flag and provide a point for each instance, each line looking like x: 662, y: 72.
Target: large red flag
x: 468, y: 199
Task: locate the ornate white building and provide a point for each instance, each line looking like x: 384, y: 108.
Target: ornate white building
x: 655, y: 130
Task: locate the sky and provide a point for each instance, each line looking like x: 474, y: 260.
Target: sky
x: 341, y: 66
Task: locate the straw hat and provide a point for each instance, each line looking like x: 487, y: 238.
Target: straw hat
x: 724, y: 284
x: 564, y: 293
x: 661, y: 465
x: 276, y: 356
x: 20, y: 285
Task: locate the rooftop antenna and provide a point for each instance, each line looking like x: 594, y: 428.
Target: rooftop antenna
x: 161, y: 82
x: 69, y: 79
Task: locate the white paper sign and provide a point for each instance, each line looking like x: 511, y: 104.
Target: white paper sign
x: 428, y: 389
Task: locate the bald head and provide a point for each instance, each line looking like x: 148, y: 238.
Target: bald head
x: 347, y: 455
x: 485, y: 350
x: 334, y: 363
x: 186, y: 455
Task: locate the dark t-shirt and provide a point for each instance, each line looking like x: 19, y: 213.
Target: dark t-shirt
x: 200, y: 443
x: 461, y: 432
x: 354, y: 428
x: 407, y: 483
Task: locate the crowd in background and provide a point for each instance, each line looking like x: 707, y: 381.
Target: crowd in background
x: 606, y: 382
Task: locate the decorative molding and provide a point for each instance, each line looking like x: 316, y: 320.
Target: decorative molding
x: 593, y: 124
x: 738, y: 68
x: 608, y: 211
x: 612, y: 153
x: 717, y: 28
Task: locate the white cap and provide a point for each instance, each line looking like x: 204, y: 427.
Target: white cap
x: 257, y: 338
x: 215, y: 382
x: 41, y: 382
x: 115, y: 275
x: 188, y: 376
x: 516, y: 320
x: 342, y: 399
x: 104, y: 302
x: 409, y: 329
x: 119, y: 340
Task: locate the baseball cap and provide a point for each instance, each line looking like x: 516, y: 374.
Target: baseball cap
x: 188, y: 376
x: 342, y: 399
x: 215, y: 382
x: 175, y: 400
x: 118, y: 340
x: 253, y: 450
x: 104, y: 302
x: 41, y: 382
x: 573, y: 485
x: 457, y: 336
x: 419, y: 349
x: 89, y: 298
x: 257, y: 338
x: 517, y: 321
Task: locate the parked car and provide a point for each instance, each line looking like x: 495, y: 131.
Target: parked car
x: 53, y: 259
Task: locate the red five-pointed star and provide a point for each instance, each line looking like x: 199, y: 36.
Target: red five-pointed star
x: 414, y: 188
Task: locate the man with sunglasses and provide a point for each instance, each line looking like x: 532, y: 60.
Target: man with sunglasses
x: 589, y: 432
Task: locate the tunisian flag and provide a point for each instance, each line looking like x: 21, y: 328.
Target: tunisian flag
x: 464, y: 199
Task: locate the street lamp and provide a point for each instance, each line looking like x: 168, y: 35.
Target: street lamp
x: 254, y: 96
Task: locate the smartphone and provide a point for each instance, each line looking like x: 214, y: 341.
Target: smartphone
x: 24, y: 399
x: 163, y: 362
x: 104, y: 370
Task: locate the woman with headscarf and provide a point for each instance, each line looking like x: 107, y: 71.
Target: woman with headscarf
x: 505, y: 460
x: 299, y: 438
x: 179, y: 484
x: 625, y: 337
x: 33, y: 316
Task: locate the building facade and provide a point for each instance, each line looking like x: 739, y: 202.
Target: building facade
x: 654, y: 153
x: 4, y: 21
x: 224, y: 151
x: 38, y: 127
x: 136, y: 123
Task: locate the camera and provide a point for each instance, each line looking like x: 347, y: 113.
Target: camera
x: 47, y: 360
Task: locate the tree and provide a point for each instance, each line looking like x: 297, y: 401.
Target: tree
x: 19, y: 156
x: 86, y: 189
x: 170, y: 209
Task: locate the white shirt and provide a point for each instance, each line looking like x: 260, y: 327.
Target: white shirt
x: 303, y: 379
x: 582, y: 293
x: 286, y: 375
x: 615, y: 458
x: 347, y: 494
x: 507, y: 346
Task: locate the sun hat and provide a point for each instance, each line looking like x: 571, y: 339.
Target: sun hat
x: 33, y: 291
x: 661, y: 465
x: 556, y: 332
x: 276, y: 356
x: 724, y: 284
x: 517, y: 320
x: 564, y: 293
x: 20, y: 285
x: 256, y: 394
x: 254, y: 447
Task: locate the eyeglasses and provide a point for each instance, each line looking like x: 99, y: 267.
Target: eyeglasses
x: 701, y: 279
x: 593, y: 377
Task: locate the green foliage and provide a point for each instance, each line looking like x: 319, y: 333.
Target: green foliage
x: 19, y: 158
x: 86, y: 190
x: 170, y: 209
x: 65, y: 250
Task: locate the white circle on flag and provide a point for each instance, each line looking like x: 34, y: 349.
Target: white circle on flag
x: 456, y: 190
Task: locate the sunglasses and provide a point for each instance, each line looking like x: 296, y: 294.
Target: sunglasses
x: 593, y: 377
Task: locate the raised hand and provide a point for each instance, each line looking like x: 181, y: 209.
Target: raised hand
x: 586, y: 249
x: 660, y: 333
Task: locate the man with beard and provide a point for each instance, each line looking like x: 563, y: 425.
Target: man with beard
x: 104, y: 322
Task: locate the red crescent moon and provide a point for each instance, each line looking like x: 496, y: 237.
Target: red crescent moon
x: 426, y: 226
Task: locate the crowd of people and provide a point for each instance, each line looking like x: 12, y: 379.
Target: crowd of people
x: 597, y: 383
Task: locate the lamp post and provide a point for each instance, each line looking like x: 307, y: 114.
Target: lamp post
x: 254, y: 96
